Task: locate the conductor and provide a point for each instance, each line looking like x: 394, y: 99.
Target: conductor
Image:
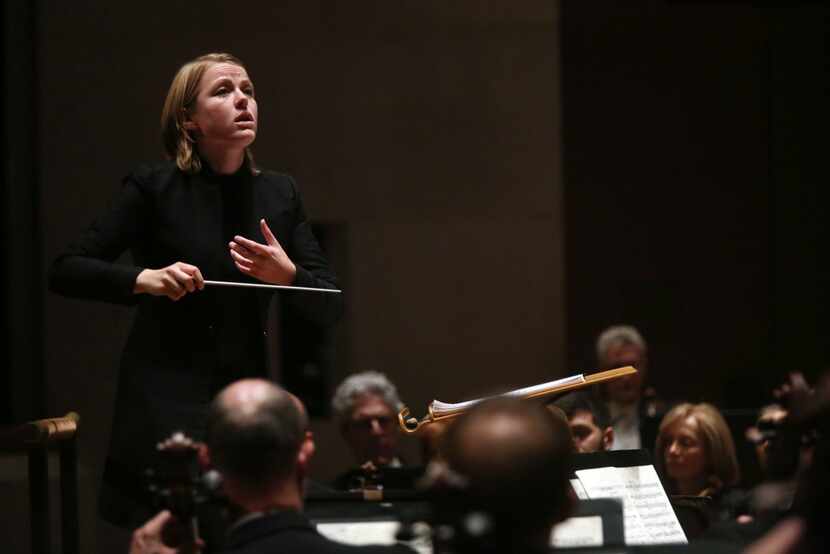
x: 207, y: 213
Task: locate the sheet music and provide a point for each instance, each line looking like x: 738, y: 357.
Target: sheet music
x: 578, y: 531
x: 648, y: 517
x: 646, y: 491
x: 443, y: 408
x: 606, y: 482
x: 362, y: 533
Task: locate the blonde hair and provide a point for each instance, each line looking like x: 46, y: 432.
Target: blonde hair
x: 721, y: 462
x: 181, y: 98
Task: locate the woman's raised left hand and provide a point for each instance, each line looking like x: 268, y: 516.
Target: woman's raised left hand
x: 267, y: 262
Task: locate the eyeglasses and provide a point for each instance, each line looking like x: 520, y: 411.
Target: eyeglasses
x: 365, y: 424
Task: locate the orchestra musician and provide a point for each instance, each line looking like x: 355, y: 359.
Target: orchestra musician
x: 505, y: 464
x: 365, y: 406
x: 258, y: 439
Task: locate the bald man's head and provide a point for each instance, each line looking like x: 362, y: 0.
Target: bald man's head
x: 254, y: 432
x: 516, y: 459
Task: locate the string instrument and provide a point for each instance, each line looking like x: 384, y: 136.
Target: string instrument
x: 178, y: 485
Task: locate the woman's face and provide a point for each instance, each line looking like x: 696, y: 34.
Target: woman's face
x: 225, y: 112
x: 684, y: 452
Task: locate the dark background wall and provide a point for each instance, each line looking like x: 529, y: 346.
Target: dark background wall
x: 497, y: 182
x: 695, y: 195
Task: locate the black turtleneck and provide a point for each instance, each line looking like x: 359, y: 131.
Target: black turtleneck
x: 239, y: 344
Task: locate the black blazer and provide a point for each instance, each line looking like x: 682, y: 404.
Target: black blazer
x: 179, y: 354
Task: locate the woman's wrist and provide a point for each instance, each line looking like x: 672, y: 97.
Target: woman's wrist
x: 138, y: 287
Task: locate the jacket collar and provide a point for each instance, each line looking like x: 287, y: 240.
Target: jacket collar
x: 254, y: 528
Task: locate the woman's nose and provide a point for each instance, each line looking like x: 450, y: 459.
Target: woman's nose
x: 241, y: 100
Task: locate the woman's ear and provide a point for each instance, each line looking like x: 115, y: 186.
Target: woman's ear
x: 187, y: 122
x: 190, y: 130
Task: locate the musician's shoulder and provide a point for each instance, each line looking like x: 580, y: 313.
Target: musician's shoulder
x: 277, y: 181
x: 153, y: 174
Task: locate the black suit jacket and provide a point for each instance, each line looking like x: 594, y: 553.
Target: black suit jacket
x: 292, y: 533
x: 179, y: 354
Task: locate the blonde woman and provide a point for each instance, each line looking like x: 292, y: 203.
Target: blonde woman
x: 695, y: 454
x: 206, y: 213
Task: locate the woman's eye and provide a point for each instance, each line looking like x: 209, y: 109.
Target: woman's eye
x: 221, y: 91
x: 248, y: 91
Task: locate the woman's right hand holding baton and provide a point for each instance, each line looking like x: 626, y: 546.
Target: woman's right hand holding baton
x: 173, y: 281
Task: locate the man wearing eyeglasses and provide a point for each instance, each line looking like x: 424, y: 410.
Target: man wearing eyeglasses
x: 366, y: 406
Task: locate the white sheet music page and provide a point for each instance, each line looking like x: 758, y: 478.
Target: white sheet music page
x: 648, y: 517
x: 646, y: 492
x: 362, y: 533
x: 576, y: 532
x: 606, y: 482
